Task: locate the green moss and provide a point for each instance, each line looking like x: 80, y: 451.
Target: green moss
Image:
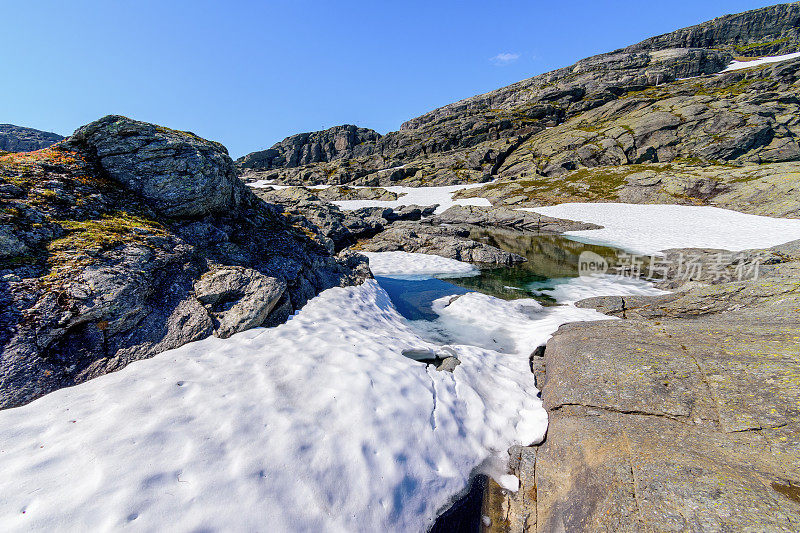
x: 744, y: 48
x: 105, y: 232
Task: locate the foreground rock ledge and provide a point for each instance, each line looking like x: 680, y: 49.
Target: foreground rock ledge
x: 682, y: 417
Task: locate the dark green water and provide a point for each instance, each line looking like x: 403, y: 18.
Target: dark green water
x: 549, y: 257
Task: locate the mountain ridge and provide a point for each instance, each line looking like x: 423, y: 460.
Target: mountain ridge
x: 471, y: 139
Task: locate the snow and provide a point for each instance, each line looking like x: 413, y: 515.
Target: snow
x: 320, y: 424
x: 420, y: 196
x: 571, y: 290
x: 648, y: 229
x: 518, y: 326
x: 738, y: 65
x: 509, y: 482
x: 317, y: 425
x: 407, y: 265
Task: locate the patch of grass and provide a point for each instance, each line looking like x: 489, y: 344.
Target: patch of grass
x: 744, y: 48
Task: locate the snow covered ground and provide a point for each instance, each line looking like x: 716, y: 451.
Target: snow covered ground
x: 739, y: 65
x: 406, y: 265
x: 320, y: 424
x: 317, y: 425
x: 647, y: 229
x: 407, y: 196
x: 420, y: 196
x: 571, y: 290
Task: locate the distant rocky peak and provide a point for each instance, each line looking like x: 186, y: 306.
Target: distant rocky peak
x: 338, y: 142
x: 19, y: 139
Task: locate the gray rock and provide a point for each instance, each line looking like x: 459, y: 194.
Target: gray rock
x: 95, y: 275
x: 314, y: 147
x: 437, y: 240
x: 178, y: 173
x: 238, y: 298
x: 448, y: 364
x: 19, y: 139
x: 508, y: 218
x: 672, y: 419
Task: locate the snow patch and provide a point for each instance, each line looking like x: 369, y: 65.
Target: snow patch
x: 407, y: 265
x: 648, y: 229
x: 739, y: 65
x: 420, y: 196
x: 509, y: 482
x: 571, y: 290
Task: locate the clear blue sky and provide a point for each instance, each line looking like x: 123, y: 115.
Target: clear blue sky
x: 248, y: 74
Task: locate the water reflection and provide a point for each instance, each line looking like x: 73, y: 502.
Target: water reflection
x: 550, y: 257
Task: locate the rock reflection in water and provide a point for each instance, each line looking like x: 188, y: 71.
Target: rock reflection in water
x: 548, y: 257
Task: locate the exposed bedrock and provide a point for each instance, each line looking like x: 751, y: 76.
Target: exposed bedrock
x: 18, y: 139
x: 674, y: 419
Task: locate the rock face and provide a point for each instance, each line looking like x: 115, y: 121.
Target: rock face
x: 315, y: 147
x: 19, y: 139
x: 661, y: 100
x: 760, y: 32
x: 157, y: 163
x: 673, y: 418
x: 130, y: 239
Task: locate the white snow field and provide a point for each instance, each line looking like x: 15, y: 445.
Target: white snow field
x: 420, y: 196
x: 648, y: 229
x: 739, y: 65
x: 407, y: 265
x: 316, y: 425
x: 406, y: 196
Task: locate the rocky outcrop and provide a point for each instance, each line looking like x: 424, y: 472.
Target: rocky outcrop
x: 336, y: 227
x: 319, y: 146
x: 675, y: 418
x: 157, y: 163
x: 129, y: 239
x: 508, y: 218
x: 759, y: 32
x: 18, y: 139
x: 446, y: 241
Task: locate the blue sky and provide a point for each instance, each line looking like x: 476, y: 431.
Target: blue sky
x: 248, y: 74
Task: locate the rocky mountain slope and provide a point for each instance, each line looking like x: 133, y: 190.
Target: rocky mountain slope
x: 128, y: 239
x: 664, y: 100
x: 18, y: 139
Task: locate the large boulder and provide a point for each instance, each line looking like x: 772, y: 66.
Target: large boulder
x: 238, y: 298
x: 179, y: 173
